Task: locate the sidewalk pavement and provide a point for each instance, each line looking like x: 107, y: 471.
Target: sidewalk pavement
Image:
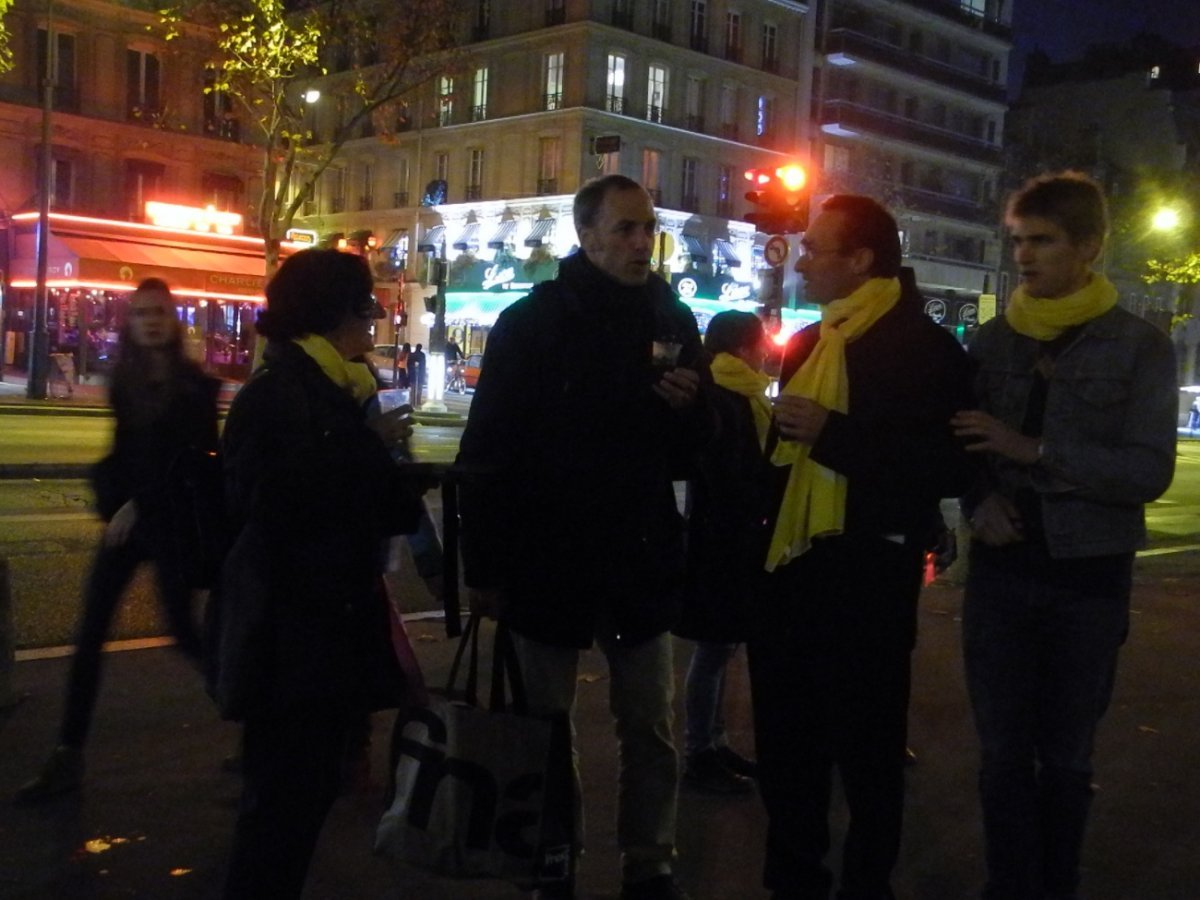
x: 155, y: 818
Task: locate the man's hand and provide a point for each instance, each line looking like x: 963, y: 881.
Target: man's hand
x: 117, y: 531
x: 486, y: 602
x: 394, y: 427
x: 987, y: 434
x: 799, y: 418
x: 679, y: 387
x: 996, y: 521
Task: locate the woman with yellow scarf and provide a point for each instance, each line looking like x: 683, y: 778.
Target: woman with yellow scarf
x: 726, y: 540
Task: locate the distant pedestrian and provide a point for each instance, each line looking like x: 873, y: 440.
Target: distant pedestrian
x: 1194, y: 415
x: 727, y: 540
x: 402, y: 366
x: 1076, y: 426
x: 302, y: 635
x: 416, y: 374
x: 166, y: 432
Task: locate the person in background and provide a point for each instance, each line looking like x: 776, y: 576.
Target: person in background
x: 726, y: 544
x: 300, y: 630
x: 402, y: 366
x: 416, y: 374
x: 863, y: 422
x: 165, y: 409
x: 1077, y: 427
x: 571, y: 534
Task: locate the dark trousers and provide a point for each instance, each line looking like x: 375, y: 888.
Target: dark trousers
x: 291, y: 771
x: 1041, y: 658
x: 830, y: 666
x: 110, y: 574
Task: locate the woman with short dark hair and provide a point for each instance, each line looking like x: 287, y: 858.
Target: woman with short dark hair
x: 301, y: 636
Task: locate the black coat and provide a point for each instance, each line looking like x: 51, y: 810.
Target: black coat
x: 907, y: 377
x: 728, y: 534
x: 569, y: 506
x: 312, y: 492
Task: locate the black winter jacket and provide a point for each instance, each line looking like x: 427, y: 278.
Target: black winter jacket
x: 311, y: 492
x: 568, y: 505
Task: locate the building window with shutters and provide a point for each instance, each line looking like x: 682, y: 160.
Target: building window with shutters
x: 614, y: 91
x: 62, y: 68
x: 552, y: 81
x: 143, y: 84
x: 656, y: 93
x: 475, y: 174
x: 445, y: 111
x: 479, y: 95
x: 689, y: 197
x: 770, y: 48
x: 143, y: 181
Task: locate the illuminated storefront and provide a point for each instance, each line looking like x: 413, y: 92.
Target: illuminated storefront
x: 93, y: 264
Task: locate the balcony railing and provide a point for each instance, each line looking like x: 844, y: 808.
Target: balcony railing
x: 853, y: 43
x: 690, y: 203
x: 771, y: 64
x: 366, y: 201
x: 337, y: 205
x: 698, y: 42
x: 853, y: 117
x: 956, y: 13
x: 474, y: 191
x: 227, y: 128
x: 400, y: 198
x: 614, y: 104
x: 547, y: 186
x: 478, y: 112
x: 923, y: 200
x: 733, y: 52
x: 556, y: 16
x: 661, y: 31
x: 552, y: 101
x: 695, y: 123
x: 654, y: 113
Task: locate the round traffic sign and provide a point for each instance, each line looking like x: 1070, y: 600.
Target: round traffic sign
x: 936, y: 310
x: 776, y: 250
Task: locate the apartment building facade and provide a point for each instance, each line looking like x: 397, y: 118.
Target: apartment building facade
x: 908, y: 107
x: 130, y: 124
x: 482, y: 164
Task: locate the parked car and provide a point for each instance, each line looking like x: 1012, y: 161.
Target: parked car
x: 384, y: 360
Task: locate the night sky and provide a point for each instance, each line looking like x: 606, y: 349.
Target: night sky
x: 1063, y: 28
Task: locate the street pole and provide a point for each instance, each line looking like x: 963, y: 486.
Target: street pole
x: 39, y: 350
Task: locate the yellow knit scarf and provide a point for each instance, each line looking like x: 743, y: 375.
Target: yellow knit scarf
x: 354, y: 378
x: 733, y: 373
x: 814, y: 503
x: 1045, y: 318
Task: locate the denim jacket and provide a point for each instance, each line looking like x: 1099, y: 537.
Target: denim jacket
x: 1108, y: 438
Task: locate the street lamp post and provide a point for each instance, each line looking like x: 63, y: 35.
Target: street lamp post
x: 39, y: 349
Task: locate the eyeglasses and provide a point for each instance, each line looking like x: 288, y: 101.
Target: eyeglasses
x: 807, y: 249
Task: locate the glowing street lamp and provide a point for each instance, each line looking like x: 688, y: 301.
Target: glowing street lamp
x: 1165, y: 219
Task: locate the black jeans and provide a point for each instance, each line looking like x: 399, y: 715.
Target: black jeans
x: 110, y: 574
x: 830, y: 666
x: 1040, y: 645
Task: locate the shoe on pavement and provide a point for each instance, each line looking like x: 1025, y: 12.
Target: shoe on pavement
x: 736, y: 763
x: 660, y: 887
x: 705, y: 772
x: 61, y: 774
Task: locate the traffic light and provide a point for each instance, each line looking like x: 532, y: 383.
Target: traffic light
x: 781, y: 195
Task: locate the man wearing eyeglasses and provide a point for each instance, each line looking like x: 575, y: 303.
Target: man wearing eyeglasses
x: 863, y: 429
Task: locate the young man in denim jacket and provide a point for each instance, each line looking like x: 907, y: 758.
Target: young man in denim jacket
x: 1076, y: 429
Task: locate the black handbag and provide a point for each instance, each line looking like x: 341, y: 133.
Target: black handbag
x: 197, y: 515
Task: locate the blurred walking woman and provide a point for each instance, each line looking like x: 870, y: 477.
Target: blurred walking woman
x: 302, y: 637
x: 165, y: 441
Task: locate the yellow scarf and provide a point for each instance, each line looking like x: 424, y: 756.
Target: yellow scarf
x: 732, y: 372
x: 814, y: 503
x: 1045, y: 318
x: 354, y: 378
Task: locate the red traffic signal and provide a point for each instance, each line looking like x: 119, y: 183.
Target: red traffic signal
x: 781, y: 195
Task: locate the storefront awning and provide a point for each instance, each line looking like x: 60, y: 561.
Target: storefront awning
x: 540, y: 231
x: 394, y: 239
x: 123, y: 264
x: 502, y: 234
x: 431, y: 241
x: 694, y: 248
x: 727, y: 254
x: 468, y: 239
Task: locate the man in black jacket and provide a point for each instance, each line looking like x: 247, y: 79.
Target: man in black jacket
x: 863, y: 420
x: 570, y: 529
